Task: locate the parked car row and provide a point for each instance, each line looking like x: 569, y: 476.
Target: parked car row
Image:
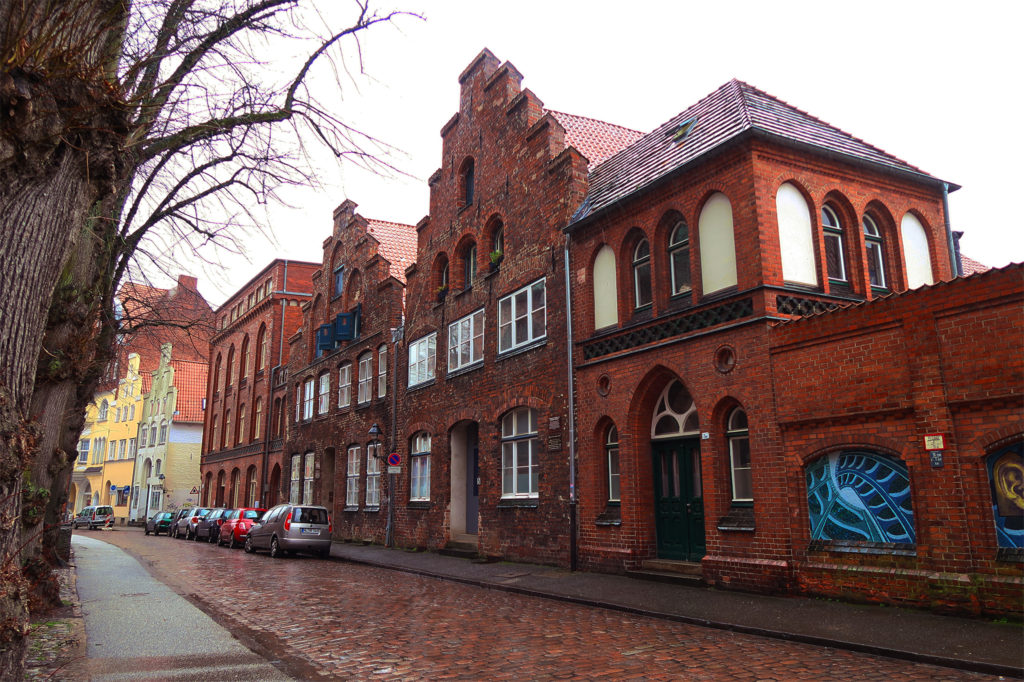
x: 281, y: 530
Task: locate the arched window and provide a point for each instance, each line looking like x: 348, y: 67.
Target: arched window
x: 498, y: 239
x: 382, y: 371
x: 738, y: 435
x: 354, y: 291
x: 257, y: 419
x: 323, y: 393
x: 345, y: 385
x: 220, y: 488
x: 520, y: 474
x: 104, y: 408
x: 243, y: 369
x: 611, y: 456
x: 227, y: 430
x: 365, y: 386
x: 796, y: 236
x: 152, y: 434
x: 250, y: 498
x: 468, y: 182
x: 163, y: 432
x: 242, y: 435
x: 229, y: 378
x: 675, y: 413
x: 915, y: 252
x: 261, y: 348
x: 276, y: 427
x: 236, y: 487
x: 717, y: 245
x: 679, y: 258
x: 642, y: 274
x: 875, y: 252
x: 835, y: 260
x: 419, y: 466
x: 214, y: 443
x: 208, y: 492
x: 216, y: 374
x: 606, y: 296
x: 469, y: 266
x: 860, y: 496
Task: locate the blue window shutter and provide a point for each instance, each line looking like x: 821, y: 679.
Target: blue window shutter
x: 345, y: 327
x: 324, y: 338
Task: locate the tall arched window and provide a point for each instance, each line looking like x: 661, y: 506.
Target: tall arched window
x: 642, y: 274
x: 717, y: 245
x: 835, y: 261
x: 243, y: 369
x: 606, y: 297
x: 382, y: 371
x: 230, y: 370
x: 875, y: 251
x: 220, y: 488
x: 679, y: 258
x: 611, y: 456
x: 214, y: 443
x: 236, y: 487
x: 261, y: 348
x: 468, y: 181
x: 250, y: 498
x: 469, y: 266
x: 257, y: 419
x: 738, y: 435
x: 915, y: 252
x: 242, y: 435
x: 216, y: 373
x: 227, y: 430
x: 796, y: 236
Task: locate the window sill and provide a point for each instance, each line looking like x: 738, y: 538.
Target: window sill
x: 465, y: 370
x: 422, y: 384
x: 371, y: 509
x: 518, y: 503
x: 739, y: 518
x: 351, y: 509
x: 852, y: 547
x: 611, y: 516
x: 522, y: 349
x: 419, y: 504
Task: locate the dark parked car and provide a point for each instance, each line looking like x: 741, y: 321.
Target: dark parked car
x: 289, y: 528
x: 235, y: 528
x: 208, y: 527
x: 159, y: 523
x: 174, y: 521
x: 185, y: 527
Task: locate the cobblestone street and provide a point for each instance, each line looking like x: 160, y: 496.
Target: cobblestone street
x: 335, y: 619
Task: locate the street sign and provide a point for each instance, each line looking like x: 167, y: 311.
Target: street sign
x: 195, y: 491
x: 934, y: 441
x: 394, y: 470
x: 936, y: 458
x: 394, y: 459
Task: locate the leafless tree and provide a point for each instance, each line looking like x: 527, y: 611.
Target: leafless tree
x: 129, y: 130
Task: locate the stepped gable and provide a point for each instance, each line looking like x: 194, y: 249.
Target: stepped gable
x: 723, y: 116
x: 190, y: 380
x: 397, y: 244
x: 596, y: 140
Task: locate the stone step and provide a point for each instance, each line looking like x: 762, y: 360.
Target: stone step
x: 667, y: 577
x: 672, y: 566
x: 464, y: 550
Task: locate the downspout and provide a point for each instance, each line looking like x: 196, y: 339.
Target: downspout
x: 270, y: 393
x: 396, y: 334
x: 954, y: 261
x: 572, y: 413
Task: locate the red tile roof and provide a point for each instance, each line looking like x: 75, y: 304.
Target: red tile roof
x: 971, y: 266
x: 397, y: 244
x: 596, y: 140
x: 190, y: 380
x: 724, y: 115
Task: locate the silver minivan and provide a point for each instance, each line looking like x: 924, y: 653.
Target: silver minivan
x: 93, y: 517
x: 289, y: 528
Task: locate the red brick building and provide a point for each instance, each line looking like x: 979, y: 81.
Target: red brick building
x: 341, y: 374
x: 246, y: 401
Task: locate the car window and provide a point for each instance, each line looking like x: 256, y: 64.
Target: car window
x: 251, y: 514
x: 309, y: 515
x: 105, y: 510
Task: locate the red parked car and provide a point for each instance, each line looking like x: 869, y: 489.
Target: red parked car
x: 236, y: 526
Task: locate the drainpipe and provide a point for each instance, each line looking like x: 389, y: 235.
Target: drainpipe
x: 270, y: 394
x: 396, y: 335
x: 954, y: 261
x: 572, y: 413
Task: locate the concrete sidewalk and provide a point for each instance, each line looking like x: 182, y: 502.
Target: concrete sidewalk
x: 962, y: 643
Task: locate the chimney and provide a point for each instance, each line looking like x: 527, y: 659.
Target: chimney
x: 188, y: 282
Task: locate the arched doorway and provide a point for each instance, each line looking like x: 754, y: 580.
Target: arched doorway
x: 220, y: 488
x: 465, y: 479
x: 678, y: 489
x: 275, y: 486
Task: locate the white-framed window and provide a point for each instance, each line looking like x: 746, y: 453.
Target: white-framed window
x: 422, y: 358
x: 345, y: 385
x: 83, y: 451
x: 373, y: 468
x: 163, y: 433
x: 522, y: 317
x: 307, y: 399
x: 738, y: 436
x: 131, y: 413
x: 519, y: 470
x: 382, y: 371
x: 835, y: 264
x: 466, y: 341
x: 143, y: 430
x: 642, y: 274
x: 679, y: 258
x: 132, y: 448
x: 352, y: 478
x: 611, y: 455
x: 122, y: 449
x: 364, y: 391
x: 257, y: 419
x: 419, y: 468
x: 876, y: 258
x: 469, y: 263
x: 295, y: 480
x: 298, y: 402
x: 323, y: 394
x: 112, y: 453
x: 152, y: 431
x: 308, y: 472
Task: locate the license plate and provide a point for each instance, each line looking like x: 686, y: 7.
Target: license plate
x: 310, y: 531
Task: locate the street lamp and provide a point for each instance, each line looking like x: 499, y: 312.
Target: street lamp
x: 375, y: 434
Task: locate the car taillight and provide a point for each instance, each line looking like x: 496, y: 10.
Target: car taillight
x: 330, y: 526
x: 288, y: 522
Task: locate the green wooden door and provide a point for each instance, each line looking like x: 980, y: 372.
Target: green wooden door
x: 678, y: 499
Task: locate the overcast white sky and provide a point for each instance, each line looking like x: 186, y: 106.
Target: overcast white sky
x: 937, y: 84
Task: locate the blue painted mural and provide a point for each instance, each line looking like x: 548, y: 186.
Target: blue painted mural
x: 1006, y: 478
x: 860, y: 495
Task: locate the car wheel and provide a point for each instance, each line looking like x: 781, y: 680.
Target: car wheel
x: 145, y: 532
x: 212, y: 538
x: 231, y: 542
x: 275, y: 548
x: 249, y: 549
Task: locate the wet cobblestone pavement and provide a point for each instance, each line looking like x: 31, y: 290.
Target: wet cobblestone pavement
x: 331, y: 619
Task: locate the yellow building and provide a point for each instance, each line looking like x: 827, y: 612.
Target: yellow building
x: 106, y: 449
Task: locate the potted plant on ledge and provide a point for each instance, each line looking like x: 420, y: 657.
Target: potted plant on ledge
x: 496, y: 258
x: 442, y: 292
